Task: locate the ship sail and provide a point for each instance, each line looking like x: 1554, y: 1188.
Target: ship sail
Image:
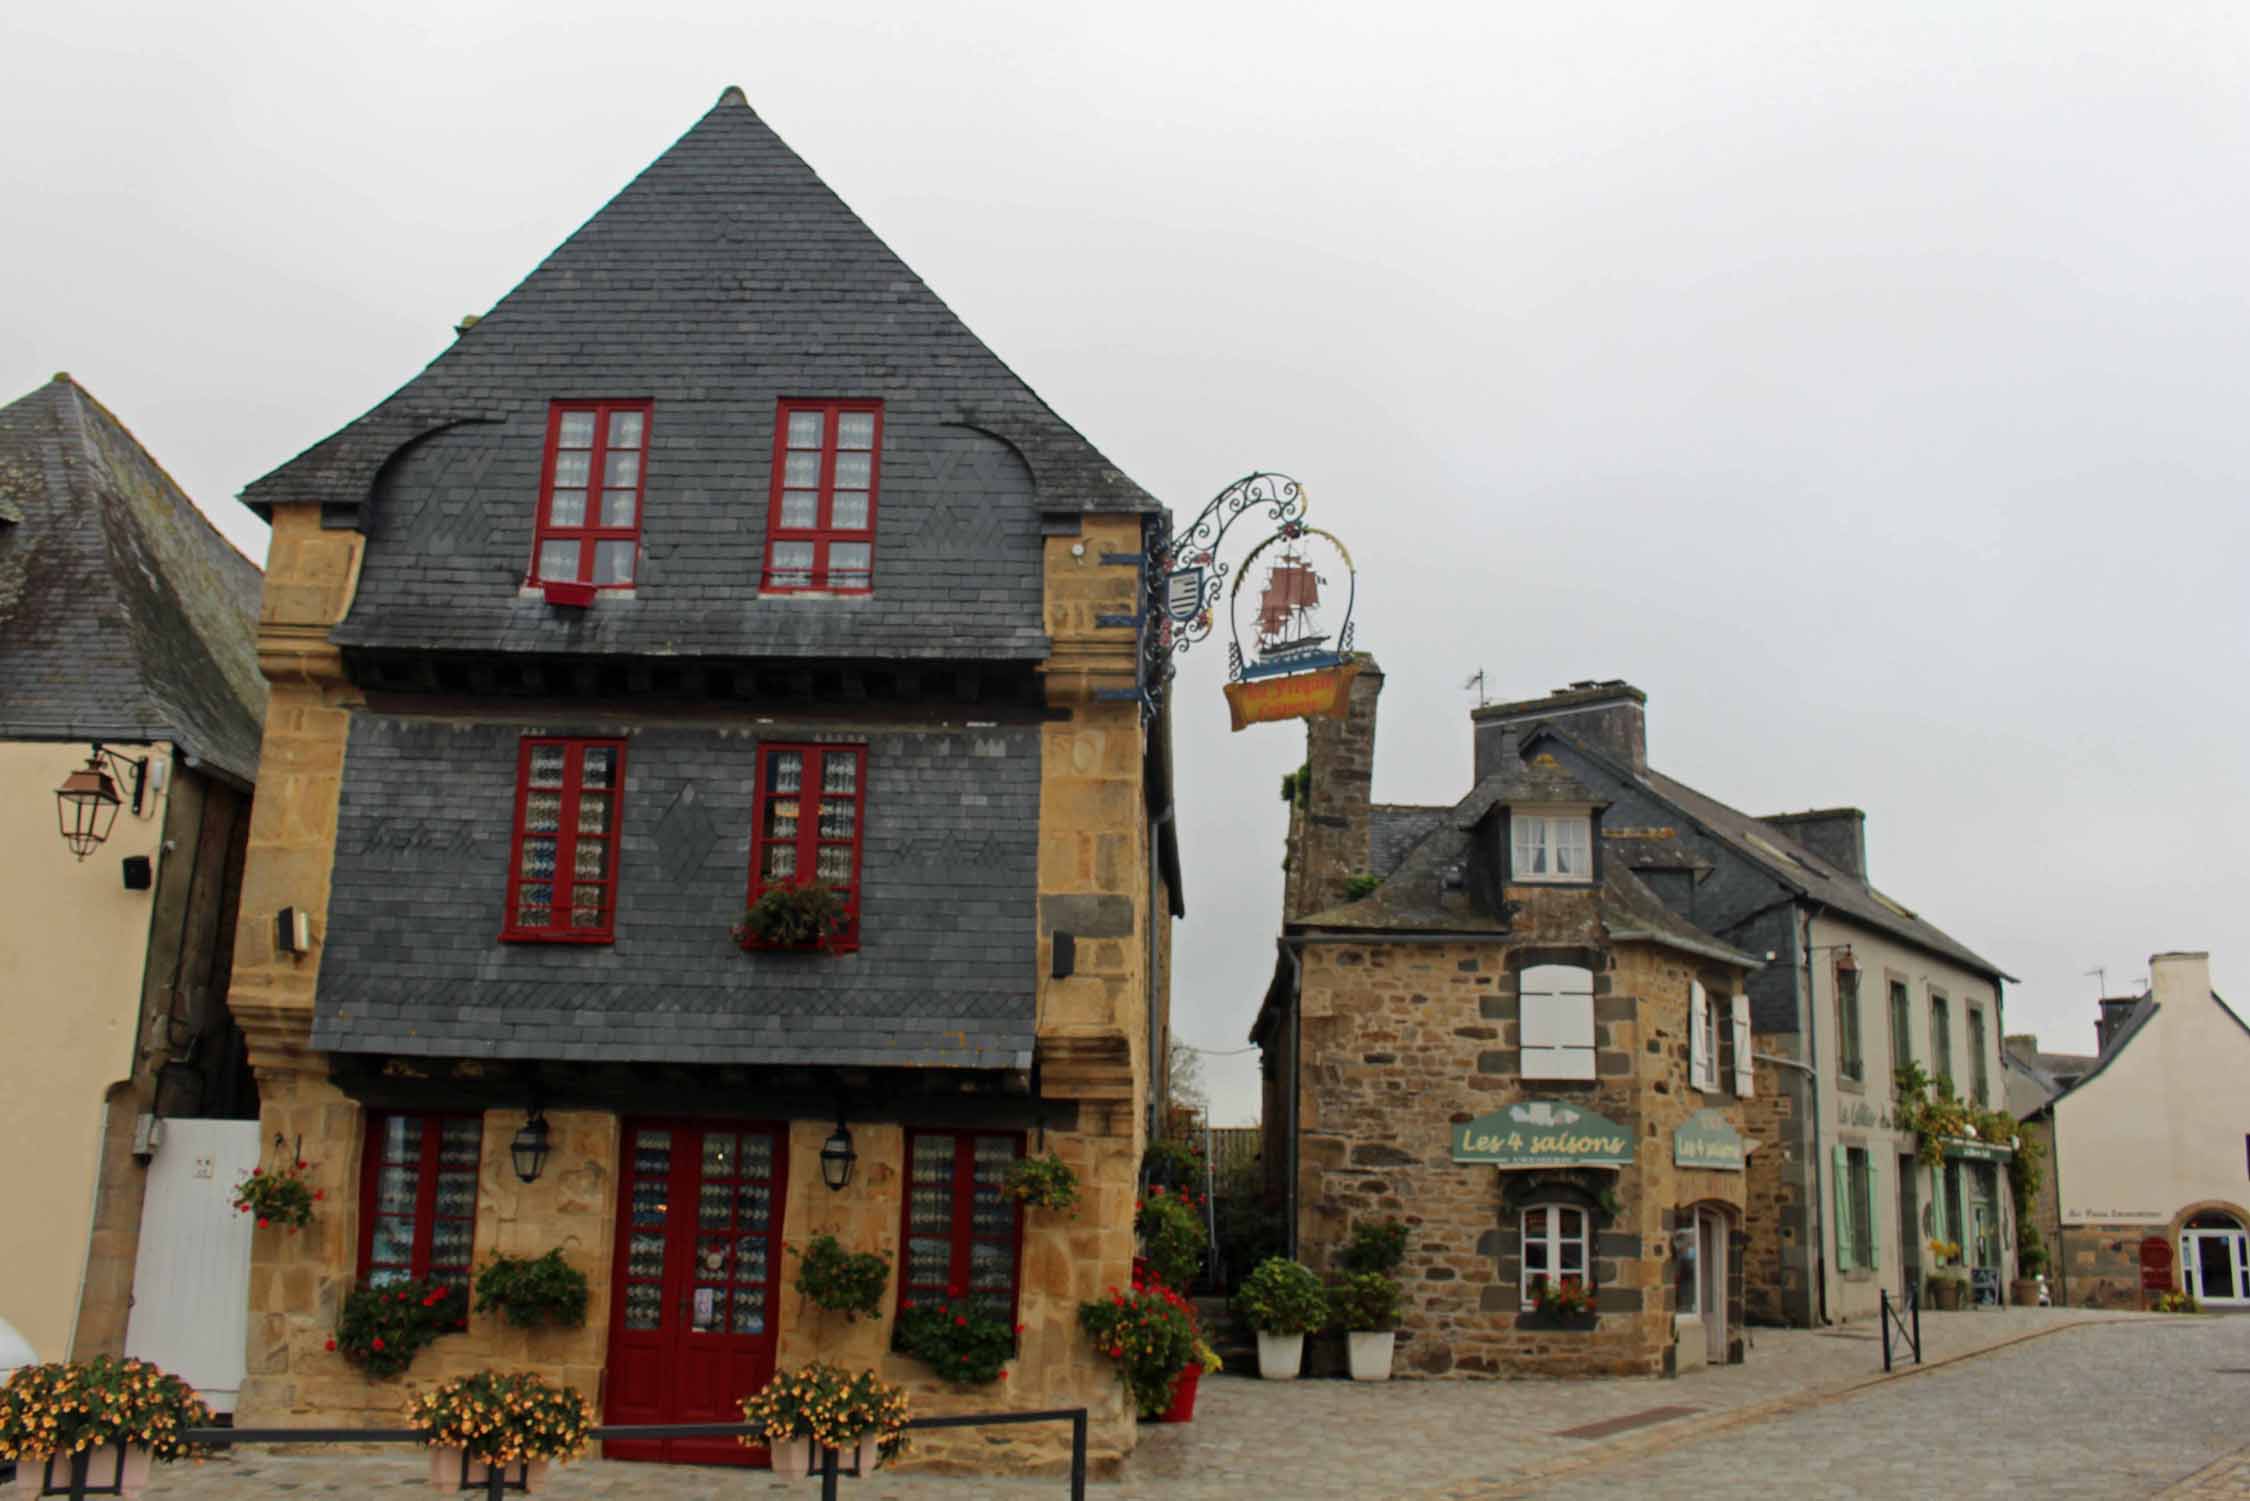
x: 1292, y: 592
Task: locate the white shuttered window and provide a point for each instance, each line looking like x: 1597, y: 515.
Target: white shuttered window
x: 1743, y: 1075
x: 1557, y: 1021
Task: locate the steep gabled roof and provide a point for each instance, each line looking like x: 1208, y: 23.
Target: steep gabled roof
x: 726, y: 240
x: 124, y: 615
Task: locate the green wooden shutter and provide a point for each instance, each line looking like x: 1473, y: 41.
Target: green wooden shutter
x: 1843, y: 1210
x: 1874, y: 1220
x: 1937, y: 1204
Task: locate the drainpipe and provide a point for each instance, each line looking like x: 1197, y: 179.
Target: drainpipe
x: 2055, y: 1257
x: 1158, y: 1067
x: 1819, y: 1312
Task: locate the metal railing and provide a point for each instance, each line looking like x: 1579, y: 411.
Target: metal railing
x: 1909, y: 1333
x: 87, y: 1480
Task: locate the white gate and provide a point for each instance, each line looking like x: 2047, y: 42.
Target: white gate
x: 191, y: 1280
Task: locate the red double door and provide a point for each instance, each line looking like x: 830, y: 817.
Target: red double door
x: 695, y: 1294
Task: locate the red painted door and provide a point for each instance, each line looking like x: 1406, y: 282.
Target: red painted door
x: 694, y: 1298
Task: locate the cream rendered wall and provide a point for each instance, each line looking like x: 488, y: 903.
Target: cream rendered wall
x: 2166, y: 1122
x: 1861, y: 1116
x: 73, y: 942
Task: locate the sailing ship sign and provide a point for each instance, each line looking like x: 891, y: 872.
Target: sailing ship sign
x: 1289, y: 605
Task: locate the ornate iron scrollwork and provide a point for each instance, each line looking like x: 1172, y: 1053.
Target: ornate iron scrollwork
x: 1186, y: 575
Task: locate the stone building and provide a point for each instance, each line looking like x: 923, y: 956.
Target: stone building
x: 126, y: 654
x: 1485, y: 1024
x: 2149, y: 1142
x: 717, y: 557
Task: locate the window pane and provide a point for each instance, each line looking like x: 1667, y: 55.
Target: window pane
x: 848, y: 511
x: 710, y: 1315
x: 558, y: 560
x: 644, y: 1305
x: 571, y: 470
x: 837, y: 817
x: 568, y: 508
x: 750, y: 1259
x: 848, y: 564
x: 538, y: 858
x: 785, y: 772
x: 577, y: 430
x: 395, y: 1190
x: 750, y: 1311
x: 753, y: 1202
x: 618, y: 507
x: 402, y: 1138
x: 460, y: 1143
x: 854, y: 471
x: 542, y: 814
x: 394, y: 1241
x: 929, y: 1260
x: 839, y: 772
x: 855, y: 430
x: 547, y: 764
x: 534, y: 906
x: 804, y: 429
x: 593, y: 813
x: 456, y: 1196
x: 719, y: 1158
x: 836, y: 864
x: 589, y: 861
x: 586, y: 907
x: 621, y: 469
x: 800, y: 508
x: 781, y: 859
x: 644, y: 1256
x: 601, y: 766
x: 792, y: 564
x: 625, y: 429
x: 802, y: 471
x: 613, y: 562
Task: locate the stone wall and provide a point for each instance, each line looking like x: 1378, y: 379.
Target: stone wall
x: 1329, y: 834
x: 1401, y: 1044
x: 1776, y: 1222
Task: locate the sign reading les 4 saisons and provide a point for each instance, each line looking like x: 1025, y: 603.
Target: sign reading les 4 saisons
x: 1543, y: 1133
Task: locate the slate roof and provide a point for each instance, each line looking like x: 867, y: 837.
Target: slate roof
x: 1394, y: 829
x: 124, y: 615
x: 725, y: 276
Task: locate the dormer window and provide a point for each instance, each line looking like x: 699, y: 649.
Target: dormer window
x: 820, y: 528
x: 589, y: 527
x: 1551, y: 846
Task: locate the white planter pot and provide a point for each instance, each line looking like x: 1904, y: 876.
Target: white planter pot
x: 1279, y: 1356
x: 101, y: 1470
x: 1370, y: 1353
x: 446, y: 1477
x: 796, y: 1458
x: 792, y: 1457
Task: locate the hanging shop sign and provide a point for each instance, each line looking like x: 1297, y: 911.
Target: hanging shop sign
x: 1289, y: 605
x: 1974, y: 1151
x: 1705, y: 1140
x: 1543, y: 1133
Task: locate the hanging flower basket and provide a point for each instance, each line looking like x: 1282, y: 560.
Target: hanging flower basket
x: 281, y: 1196
x: 1042, y: 1182
x: 801, y: 915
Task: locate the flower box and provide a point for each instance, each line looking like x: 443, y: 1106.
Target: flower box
x: 794, y: 1458
x: 1556, y: 1320
x: 568, y: 596
x: 112, y: 1470
x: 453, y: 1471
x: 1184, y: 1386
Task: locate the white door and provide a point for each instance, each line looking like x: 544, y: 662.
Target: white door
x: 2215, y: 1266
x: 1711, y: 1230
x: 191, y: 1281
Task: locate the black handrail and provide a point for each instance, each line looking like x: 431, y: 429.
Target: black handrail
x: 497, y: 1482
x: 1912, y: 1334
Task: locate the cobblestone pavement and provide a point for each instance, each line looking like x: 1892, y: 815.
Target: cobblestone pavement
x: 1805, y: 1406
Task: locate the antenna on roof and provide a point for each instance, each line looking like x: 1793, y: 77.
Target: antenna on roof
x: 2102, y: 976
x: 1476, y: 681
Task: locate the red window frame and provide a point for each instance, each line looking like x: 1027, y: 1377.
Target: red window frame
x: 823, y: 534
x: 567, y: 837
x: 595, y: 494
x: 962, y: 1231
x: 425, y: 1160
x: 807, y: 840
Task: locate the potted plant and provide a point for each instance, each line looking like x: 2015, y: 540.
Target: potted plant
x: 1559, y: 1303
x: 106, y: 1417
x: 2031, y: 1260
x: 847, y: 1282
x: 1366, y: 1304
x: 382, y: 1329
x: 960, y: 1339
x: 793, y: 915
x: 518, y: 1422
x: 1042, y: 1182
x: 819, y: 1406
x: 2175, y: 1302
x: 1150, y: 1333
x: 1375, y: 1246
x: 279, y: 1197
x: 1172, y: 1237
x: 1949, y: 1280
x: 1204, y: 1362
x: 534, y: 1292
x: 1283, y: 1302
x: 1172, y: 1164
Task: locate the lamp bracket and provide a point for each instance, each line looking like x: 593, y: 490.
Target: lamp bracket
x: 125, y: 769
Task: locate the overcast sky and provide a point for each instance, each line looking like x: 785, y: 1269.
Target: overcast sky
x: 1865, y: 382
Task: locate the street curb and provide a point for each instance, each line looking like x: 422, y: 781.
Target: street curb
x: 1674, y: 1436
x: 2234, y: 1467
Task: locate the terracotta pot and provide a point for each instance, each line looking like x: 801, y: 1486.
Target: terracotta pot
x: 1279, y: 1355
x: 101, y: 1469
x: 2023, y: 1292
x: 1371, y: 1353
x: 446, y: 1475
x: 1182, y: 1409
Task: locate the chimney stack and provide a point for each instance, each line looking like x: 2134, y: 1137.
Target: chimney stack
x: 1837, y: 835
x: 1607, y: 716
x: 2183, y: 977
x: 1330, y: 828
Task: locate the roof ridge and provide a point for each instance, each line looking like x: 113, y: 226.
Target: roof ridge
x: 195, y: 507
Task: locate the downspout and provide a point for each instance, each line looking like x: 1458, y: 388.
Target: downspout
x: 1297, y: 1084
x: 1159, y: 1067
x: 2055, y: 1257
x: 1819, y: 1311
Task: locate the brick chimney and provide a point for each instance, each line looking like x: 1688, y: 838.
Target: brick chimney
x: 2115, y: 1009
x: 1606, y: 715
x: 1329, y: 825
x: 1837, y: 835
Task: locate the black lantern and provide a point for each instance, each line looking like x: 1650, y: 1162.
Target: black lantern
x: 837, y: 1157
x: 530, y: 1148
x: 86, y: 803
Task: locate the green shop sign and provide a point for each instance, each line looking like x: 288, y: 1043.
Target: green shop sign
x: 1543, y: 1133
x: 1974, y: 1151
x: 1705, y: 1140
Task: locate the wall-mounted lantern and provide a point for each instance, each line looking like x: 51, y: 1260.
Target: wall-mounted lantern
x: 837, y: 1159
x: 86, y: 803
x: 1845, y: 963
x: 530, y: 1148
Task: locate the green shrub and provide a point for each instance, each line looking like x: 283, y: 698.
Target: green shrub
x: 1175, y: 1164
x: 1361, y: 884
x: 792, y: 915
x: 847, y: 1282
x: 1246, y: 1229
x: 382, y: 1329
x: 1375, y: 1246
x: 1281, y: 1297
x: 1150, y: 1333
x: 1364, y: 1302
x: 960, y: 1339
x: 1043, y: 1182
x: 1172, y: 1238
x: 544, y: 1292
